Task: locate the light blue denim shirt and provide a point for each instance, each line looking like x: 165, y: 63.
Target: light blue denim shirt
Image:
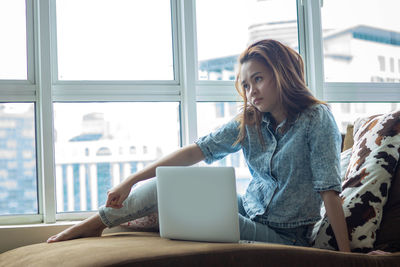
x: 289, y: 173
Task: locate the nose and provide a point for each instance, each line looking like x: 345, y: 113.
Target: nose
x: 252, y: 90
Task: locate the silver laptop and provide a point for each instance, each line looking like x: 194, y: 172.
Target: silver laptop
x: 198, y: 203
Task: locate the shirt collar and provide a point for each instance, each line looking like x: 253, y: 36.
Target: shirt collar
x: 267, y: 118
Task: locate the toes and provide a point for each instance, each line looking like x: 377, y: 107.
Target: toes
x: 52, y: 239
x: 55, y: 238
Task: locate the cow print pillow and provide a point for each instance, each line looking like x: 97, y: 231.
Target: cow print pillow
x: 366, y: 183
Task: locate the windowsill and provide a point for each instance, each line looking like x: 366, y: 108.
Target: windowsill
x: 38, y: 225
x: 27, y: 234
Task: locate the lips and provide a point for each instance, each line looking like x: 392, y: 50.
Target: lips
x: 257, y: 101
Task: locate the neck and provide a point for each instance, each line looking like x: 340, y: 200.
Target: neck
x: 279, y: 117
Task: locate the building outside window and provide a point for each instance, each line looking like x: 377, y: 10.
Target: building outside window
x: 381, y: 60
x: 18, y: 183
x: 392, y: 64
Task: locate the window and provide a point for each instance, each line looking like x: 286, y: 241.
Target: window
x: 103, y: 151
x: 359, y: 110
x: 18, y: 183
x: 352, y: 43
x: 13, y: 49
x: 222, y: 38
x: 82, y: 179
x: 114, y: 40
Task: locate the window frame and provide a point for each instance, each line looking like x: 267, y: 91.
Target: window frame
x: 43, y: 88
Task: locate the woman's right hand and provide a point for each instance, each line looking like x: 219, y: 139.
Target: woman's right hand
x: 117, y: 195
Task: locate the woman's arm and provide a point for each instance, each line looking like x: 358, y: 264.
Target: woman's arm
x: 334, y: 210
x: 185, y: 156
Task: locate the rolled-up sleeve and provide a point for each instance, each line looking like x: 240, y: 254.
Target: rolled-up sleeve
x: 218, y: 144
x: 324, y: 141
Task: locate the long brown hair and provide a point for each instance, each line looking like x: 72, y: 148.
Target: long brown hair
x: 287, y: 68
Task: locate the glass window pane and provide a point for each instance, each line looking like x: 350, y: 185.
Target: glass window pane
x: 114, y: 40
x: 18, y: 183
x: 225, y: 28
x: 363, y: 45
x: 99, y: 144
x: 347, y: 113
x: 211, y: 116
x: 13, y: 56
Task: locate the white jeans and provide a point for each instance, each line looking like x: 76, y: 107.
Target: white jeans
x: 143, y: 201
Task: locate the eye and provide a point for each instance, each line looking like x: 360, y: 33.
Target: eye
x: 245, y: 86
x: 258, y: 79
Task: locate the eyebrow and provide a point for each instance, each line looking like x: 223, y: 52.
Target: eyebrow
x: 251, y: 77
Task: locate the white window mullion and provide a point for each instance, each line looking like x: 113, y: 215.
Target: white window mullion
x: 301, y: 29
x: 313, y: 46
x: 217, y: 91
x: 186, y: 20
x: 45, y: 143
x: 116, y: 91
x: 30, y: 41
x: 362, y: 92
x: 19, y: 219
x: 11, y: 91
x: 53, y: 43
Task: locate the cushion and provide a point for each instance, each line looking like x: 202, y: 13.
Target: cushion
x: 344, y: 163
x: 388, y: 234
x: 374, y: 157
x: 146, y: 223
x: 348, y: 138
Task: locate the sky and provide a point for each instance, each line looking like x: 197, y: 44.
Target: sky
x: 116, y: 40
x: 379, y: 13
x: 13, y: 39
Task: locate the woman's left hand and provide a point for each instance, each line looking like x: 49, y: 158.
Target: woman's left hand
x: 378, y: 252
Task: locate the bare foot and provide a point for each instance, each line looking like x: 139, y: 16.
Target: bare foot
x: 91, y: 227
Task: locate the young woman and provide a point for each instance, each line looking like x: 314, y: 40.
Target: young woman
x: 291, y: 145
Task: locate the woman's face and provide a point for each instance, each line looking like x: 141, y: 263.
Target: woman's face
x: 258, y: 83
